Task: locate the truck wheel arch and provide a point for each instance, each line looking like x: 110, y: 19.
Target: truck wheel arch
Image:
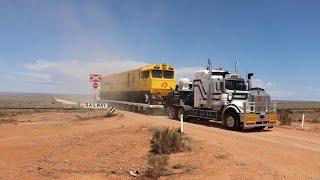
x: 183, y: 109
x: 230, y: 107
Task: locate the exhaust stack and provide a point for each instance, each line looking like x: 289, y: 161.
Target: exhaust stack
x: 250, y: 75
x: 209, y: 99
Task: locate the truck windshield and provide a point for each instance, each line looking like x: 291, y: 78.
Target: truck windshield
x: 235, y: 85
x: 156, y: 73
x: 168, y: 74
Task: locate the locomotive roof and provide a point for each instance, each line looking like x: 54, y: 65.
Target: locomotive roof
x: 157, y: 66
x: 148, y: 67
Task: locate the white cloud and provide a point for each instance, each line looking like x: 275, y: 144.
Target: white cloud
x: 66, y: 76
x: 260, y: 83
x: 312, y: 89
x: 188, y: 72
x: 275, y: 89
x: 75, y: 73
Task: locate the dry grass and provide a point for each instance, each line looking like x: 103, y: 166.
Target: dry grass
x: 297, y: 108
x: 167, y: 141
x: 285, y: 116
x: 157, y: 166
x: 164, y: 142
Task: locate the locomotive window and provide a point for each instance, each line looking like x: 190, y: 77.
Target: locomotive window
x: 145, y: 74
x: 168, y: 74
x: 156, y: 73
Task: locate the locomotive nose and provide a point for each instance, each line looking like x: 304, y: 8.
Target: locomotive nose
x: 164, y: 85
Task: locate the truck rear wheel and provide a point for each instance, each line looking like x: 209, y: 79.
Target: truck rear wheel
x: 231, y: 121
x: 180, y: 112
x: 172, y: 112
x: 260, y: 128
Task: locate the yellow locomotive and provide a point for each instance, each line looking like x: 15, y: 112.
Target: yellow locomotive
x: 148, y: 84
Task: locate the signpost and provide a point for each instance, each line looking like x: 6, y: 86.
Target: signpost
x: 101, y: 106
x: 89, y: 105
x: 95, y: 85
x: 181, y: 123
x: 95, y: 79
x: 302, y: 121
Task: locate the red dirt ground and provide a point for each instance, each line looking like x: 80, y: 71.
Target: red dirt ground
x: 84, y: 145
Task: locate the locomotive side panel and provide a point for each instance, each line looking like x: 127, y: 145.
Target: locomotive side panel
x: 148, y: 84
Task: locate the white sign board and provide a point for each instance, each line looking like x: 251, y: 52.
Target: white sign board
x: 90, y: 105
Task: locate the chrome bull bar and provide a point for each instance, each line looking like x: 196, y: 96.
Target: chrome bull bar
x: 259, y: 115
x: 260, y: 107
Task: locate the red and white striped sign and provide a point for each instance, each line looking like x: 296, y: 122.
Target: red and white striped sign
x: 95, y: 78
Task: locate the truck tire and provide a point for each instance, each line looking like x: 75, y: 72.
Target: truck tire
x: 231, y: 121
x: 172, y: 112
x: 260, y: 128
x: 181, y: 111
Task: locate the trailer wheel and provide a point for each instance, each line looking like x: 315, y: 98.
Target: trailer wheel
x: 172, y: 112
x: 231, y: 121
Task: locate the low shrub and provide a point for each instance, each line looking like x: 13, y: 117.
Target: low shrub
x: 167, y: 141
x: 157, y: 166
x: 285, y: 116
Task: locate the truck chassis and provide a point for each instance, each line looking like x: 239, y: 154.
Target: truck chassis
x: 240, y: 120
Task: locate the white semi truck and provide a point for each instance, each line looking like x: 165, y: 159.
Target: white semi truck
x: 222, y: 97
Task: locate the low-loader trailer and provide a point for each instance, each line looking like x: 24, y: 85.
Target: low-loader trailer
x: 222, y: 97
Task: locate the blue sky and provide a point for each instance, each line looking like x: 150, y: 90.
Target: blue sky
x: 51, y: 46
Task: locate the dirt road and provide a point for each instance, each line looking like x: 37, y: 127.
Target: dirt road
x: 64, y: 101
x: 293, y: 154
x: 76, y: 145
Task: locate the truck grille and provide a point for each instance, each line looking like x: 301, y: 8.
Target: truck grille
x: 261, y: 104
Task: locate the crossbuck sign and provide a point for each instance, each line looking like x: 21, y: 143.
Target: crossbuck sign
x: 95, y: 78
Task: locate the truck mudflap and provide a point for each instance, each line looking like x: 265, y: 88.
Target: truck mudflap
x: 258, y: 120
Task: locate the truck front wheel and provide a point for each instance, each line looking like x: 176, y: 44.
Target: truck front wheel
x: 231, y: 121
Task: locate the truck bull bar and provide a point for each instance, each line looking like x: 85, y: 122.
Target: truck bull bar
x: 259, y: 114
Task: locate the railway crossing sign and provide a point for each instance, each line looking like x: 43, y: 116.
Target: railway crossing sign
x: 95, y: 78
x: 95, y: 85
x: 92, y: 105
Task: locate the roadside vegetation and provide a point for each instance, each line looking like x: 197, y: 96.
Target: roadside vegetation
x: 167, y: 141
x: 164, y: 142
x: 285, y: 116
x: 290, y: 116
